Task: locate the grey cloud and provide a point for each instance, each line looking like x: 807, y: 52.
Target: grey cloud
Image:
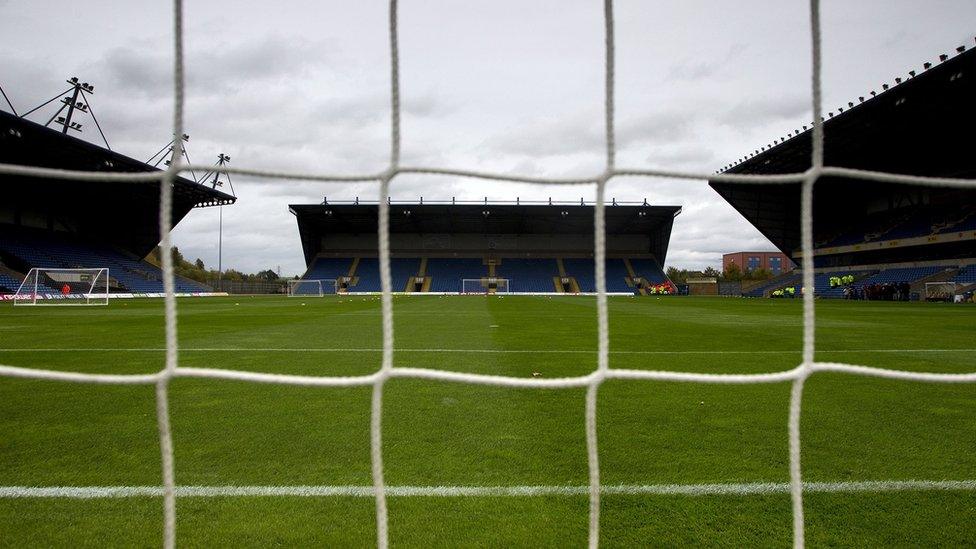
x: 694, y: 69
x: 214, y: 71
x: 763, y: 110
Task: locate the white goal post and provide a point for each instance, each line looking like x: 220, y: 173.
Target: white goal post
x: 312, y: 288
x: 487, y: 285
x: 60, y: 287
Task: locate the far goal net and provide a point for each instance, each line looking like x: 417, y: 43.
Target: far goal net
x: 484, y: 285
x: 53, y: 286
x: 940, y: 291
x: 311, y: 288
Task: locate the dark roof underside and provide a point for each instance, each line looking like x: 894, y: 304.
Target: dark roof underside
x: 315, y: 220
x: 125, y: 214
x: 922, y: 126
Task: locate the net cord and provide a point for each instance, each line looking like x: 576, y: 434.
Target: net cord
x: 797, y: 376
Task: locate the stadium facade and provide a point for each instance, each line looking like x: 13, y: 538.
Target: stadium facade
x: 487, y: 247
x: 882, y: 233
x: 61, y: 223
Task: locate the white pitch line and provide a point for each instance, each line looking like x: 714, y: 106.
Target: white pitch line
x: 728, y: 489
x: 473, y: 351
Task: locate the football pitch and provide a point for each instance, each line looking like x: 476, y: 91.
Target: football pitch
x: 887, y: 462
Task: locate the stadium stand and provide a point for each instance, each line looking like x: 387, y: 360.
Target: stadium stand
x: 920, y: 126
x: 966, y: 276
x: 446, y: 273
x: 520, y: 241
x: 649, y: 270
x: 58, y: 223
x: 9, y: 284
x: 794, y: 279
x: 368, y: 273
x: 324, y: 268
x: 529, y: 275
x: 617, y: 275
x: 582, y: 271
x: 34, y: 248
x: 907, y: 274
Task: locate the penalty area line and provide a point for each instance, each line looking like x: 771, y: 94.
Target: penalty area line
x: 726, y: 489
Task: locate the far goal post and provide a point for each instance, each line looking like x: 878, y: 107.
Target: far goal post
x: 55, y: 286
x: 311, y: 288
x: 488, y: 285
x: 940, y: 291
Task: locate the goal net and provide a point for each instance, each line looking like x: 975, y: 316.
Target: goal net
x: 940, y: 291
x: 51, y: 286
x: 484, y: 286
x: 384, y: 176
x: 311, y: 288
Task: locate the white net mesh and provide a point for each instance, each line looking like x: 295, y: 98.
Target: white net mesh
x: 592, y: 381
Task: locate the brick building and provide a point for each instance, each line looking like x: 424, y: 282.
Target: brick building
x: 774, y: 262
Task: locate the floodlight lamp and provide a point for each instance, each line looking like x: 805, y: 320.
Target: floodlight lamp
x: 861, y: 98
x: 927, y: 65
x: 564, y: 213
x: 943, y: 57
x: 185, y: 137
x: 884, y: 86
x: 911, y: 73
x: 485, y: 213
x: 897, y: 80
x: 74, y: 80
x: 850, y: 104
x: 328, y: 212
x: 642, y: 213
x: 873, y: 93
x: 84, y: 85
x: 406, y: 212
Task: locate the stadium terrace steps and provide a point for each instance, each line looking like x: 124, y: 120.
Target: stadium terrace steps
x: 529, y: 275
x: 446, y: 274
x: 325, y: 268
x: 905, y: 274
x: 650, y: 270
x: 967, y: 275
x: 782, y: 281
x: 36, y: 249
x: 367, y: 278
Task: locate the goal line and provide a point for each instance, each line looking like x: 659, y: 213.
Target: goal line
x: 712, y: 489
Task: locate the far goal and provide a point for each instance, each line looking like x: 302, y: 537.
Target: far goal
x: 53, y: 286
x: 940, y: 291
x: 484, y: 286
x: 311, y: 288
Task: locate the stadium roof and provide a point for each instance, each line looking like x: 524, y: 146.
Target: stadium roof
x: 922, y: 125
x: 121, y: 212
x: 483, y: 218
x: 28, y: 143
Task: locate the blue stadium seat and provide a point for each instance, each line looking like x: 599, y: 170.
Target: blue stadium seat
x: 906, y: 274
x: 54, y: 250
x: 401, y: 269
x: 328, y: 268
x: 446, y: 273
x: 966, y: 276
x: 528, y: 275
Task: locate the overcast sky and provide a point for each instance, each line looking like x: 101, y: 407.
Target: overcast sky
x: 508, y: 86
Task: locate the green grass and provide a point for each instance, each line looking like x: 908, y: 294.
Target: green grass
x: 234, y: 433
